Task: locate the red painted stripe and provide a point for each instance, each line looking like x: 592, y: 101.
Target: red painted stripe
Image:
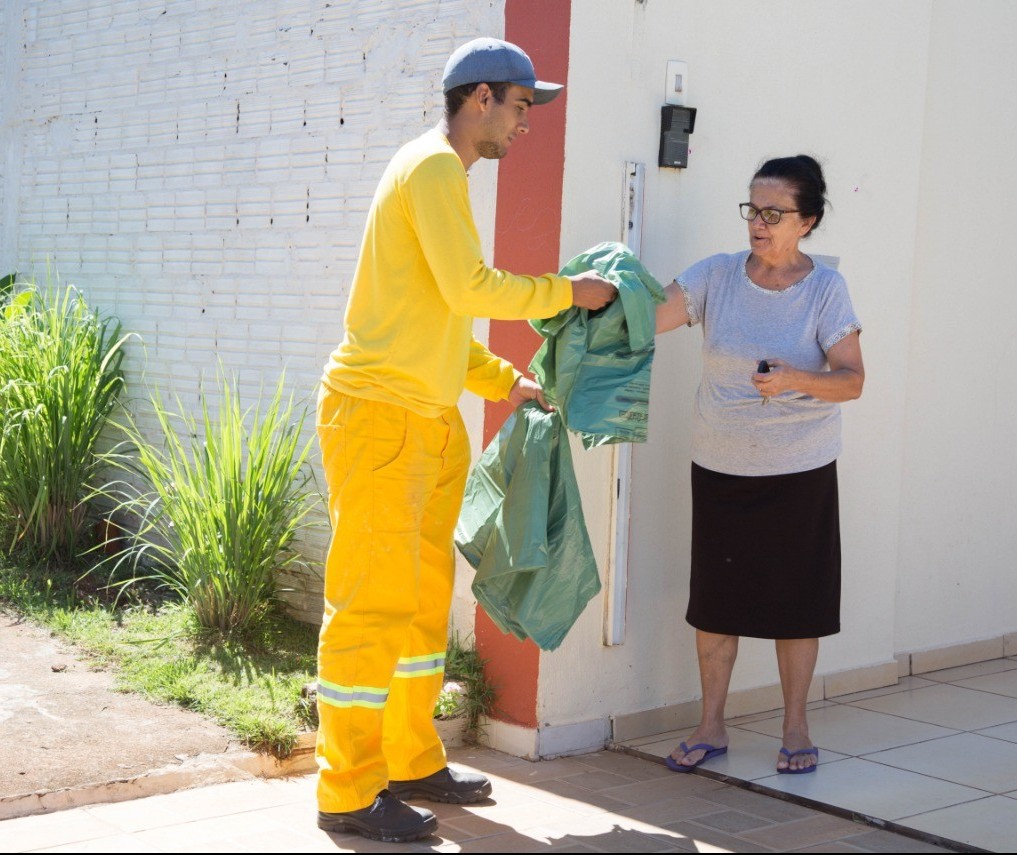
x: 527, y: 240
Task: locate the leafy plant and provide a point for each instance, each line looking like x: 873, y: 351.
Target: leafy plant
x: 7, y: 286
x: 216, y: 513
x: 466, y: 691
x: 60, y: 377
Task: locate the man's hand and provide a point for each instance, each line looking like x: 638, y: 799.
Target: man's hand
x: 591, y: 291
x: 527, y: 390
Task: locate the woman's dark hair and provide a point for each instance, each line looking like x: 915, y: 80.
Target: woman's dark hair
x: 455, y: 98
x: 805, y: 176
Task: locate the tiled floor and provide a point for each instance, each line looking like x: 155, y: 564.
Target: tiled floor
x: 603, y: 802
x: 934, y: 757
x: 936, y: 754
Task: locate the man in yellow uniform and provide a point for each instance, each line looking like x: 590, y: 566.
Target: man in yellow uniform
x: 396, y: 453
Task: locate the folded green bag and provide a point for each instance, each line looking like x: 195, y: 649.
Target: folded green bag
x: 595, y: 366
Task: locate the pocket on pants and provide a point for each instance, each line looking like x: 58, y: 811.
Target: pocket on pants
x: 388, y: 436
x: 331, y: 429
x: 406, y: 461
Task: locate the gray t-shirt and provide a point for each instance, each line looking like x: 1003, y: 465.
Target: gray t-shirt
x: 742, y: 324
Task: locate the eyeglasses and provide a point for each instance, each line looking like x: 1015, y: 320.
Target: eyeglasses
x: 771, y: 216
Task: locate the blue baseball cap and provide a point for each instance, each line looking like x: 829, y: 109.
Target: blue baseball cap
x: 495, y: 61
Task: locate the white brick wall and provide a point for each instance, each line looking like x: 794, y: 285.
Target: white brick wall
x: 10, y: 31
x: 203, y: 172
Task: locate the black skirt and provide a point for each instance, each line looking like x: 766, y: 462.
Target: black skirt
x: 765, y: 554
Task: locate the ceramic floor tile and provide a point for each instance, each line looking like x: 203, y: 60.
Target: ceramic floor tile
x: 750, y: 719
x: 847, y: 729
x: 1001, y: 731
x: 52, y: 829
x: 508, y: 841
x: 578, y: 825
x: 968, y: 759
x: 872, y: 789
x: 989, y: 823
x: 750, y: 755
x: 965, y: 672
x: 902, y: 685
x: 1002, y: 683
x: 733, y: 821
x: 213, y: 834
x: 622, y: 840
x: 187, y: 805
x: 293, y: 788
x: 674, y: 786
x: 296, y: 816
x: 575, y: 798
x: 702, y: 838
x: 663, y: 736
x: 658, y: 748
x: 810, y: 831
x: 492, y: 761
x: 532, y: 772
x: 283, y: 840
x: 469, y: 827
x: 947, y: 706
x: 672, y: 809
x: 887, y: 841
x: 117, y: 843
x: 535, y: 812
x: 624, y: 764
x: 780, y: 811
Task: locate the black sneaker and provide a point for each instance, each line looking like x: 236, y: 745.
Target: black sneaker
x: 388, y: 820
x: 446, y: 785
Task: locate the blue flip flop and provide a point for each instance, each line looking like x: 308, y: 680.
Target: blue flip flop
x: 711, y: 751
x: 804, y: 771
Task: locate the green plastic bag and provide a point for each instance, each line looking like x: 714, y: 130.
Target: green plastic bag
x: 522, y: 527
x: 595, y: 366
x: 522, y: 530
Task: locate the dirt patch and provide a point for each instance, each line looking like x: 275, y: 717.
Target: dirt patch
x: 64, y: 726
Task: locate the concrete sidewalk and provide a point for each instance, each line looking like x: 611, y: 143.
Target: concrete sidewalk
x: 602, y: 802
x: 65, y: 727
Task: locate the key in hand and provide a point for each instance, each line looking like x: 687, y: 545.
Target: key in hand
x: 763, y: 368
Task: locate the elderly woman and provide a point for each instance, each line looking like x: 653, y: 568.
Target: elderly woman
x: 780, y: 352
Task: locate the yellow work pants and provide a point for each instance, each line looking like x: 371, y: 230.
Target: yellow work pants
x: 395, y: 484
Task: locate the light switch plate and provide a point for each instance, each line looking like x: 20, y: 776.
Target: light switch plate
x: 676, y: 85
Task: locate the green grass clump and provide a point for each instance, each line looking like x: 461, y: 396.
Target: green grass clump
x: 467, y: 691
x: 221, y: 501
x: 60, y: 377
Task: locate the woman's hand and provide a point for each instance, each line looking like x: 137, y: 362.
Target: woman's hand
x: 843, y: 382
x: 780, y: 378
x: 527, y: 390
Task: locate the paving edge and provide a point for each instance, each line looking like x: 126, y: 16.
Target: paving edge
x: 200, y: 771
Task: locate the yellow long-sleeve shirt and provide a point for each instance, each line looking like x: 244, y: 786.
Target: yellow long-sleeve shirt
x: 420, y: 281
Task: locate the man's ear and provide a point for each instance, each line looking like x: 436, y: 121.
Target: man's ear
x: 483, y: 95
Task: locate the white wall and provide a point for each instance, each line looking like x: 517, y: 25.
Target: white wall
x: 957, y: 538
x: 10, y: 156
x: 846, y: 82
x: 203, y: 170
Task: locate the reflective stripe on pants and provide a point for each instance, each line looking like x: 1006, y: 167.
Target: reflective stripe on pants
x: 395, y: 484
